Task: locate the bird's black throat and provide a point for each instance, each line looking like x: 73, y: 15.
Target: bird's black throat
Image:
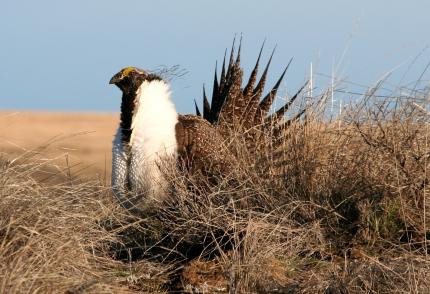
x: 127, y: 109
x: 129, y: 87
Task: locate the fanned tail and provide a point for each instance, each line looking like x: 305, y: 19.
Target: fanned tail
x: 246, y: 108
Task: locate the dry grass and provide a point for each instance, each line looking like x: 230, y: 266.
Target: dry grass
x: 53, y: 238
x: 346, y: 212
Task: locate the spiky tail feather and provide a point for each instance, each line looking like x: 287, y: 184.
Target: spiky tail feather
x: 245, y: 109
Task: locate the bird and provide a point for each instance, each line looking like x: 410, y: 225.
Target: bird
x: 151, y: 132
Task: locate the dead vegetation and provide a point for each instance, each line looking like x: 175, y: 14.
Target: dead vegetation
x: 343, y: 207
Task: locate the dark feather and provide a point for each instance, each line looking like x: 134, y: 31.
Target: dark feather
x: 215, y: 103
x: 222, y: 79
x: 281, y: 111
x: 267, y: 101
x: 260, y: 86
x: 231, y: 61
x: 197, y: 108
x: 215, y: 87
x: 253, y: 77
x: 206, y: 107
x: 238, y: 52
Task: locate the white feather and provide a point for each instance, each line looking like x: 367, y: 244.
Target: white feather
x: 119, y: 169
x: 153, y: 138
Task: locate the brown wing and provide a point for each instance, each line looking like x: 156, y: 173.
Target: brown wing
x: 200, y: 146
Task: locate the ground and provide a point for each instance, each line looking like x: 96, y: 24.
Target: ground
x: 82, y: 139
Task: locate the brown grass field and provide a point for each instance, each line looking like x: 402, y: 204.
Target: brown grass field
x: 81, y: 141
x: 344, y: 207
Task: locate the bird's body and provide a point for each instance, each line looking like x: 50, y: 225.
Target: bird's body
x: 159, y: 135
x: 152, y: 133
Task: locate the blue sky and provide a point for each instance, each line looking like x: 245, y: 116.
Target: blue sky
x: 60, y: 55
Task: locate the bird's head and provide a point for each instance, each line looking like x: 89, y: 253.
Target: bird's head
x: 129, y: 79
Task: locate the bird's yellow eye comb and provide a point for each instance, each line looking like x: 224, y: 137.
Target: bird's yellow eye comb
x: 126, y: 71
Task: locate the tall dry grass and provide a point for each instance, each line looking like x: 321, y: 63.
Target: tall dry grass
x: 54, y: 237
x: 341, y: 206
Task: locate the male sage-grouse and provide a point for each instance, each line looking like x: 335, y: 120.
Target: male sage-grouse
x: 151, y: 131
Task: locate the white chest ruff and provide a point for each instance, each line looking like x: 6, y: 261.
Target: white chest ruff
x: 152, y: 142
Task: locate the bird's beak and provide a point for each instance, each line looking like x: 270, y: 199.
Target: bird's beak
x: 115, y: 79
